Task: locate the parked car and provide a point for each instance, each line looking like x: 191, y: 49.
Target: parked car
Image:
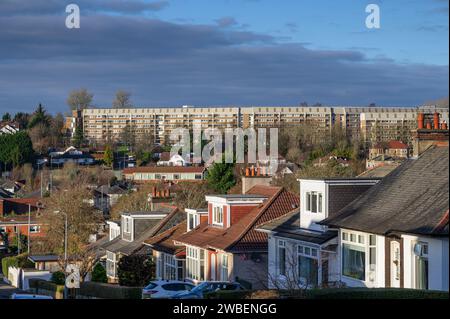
x: 165, y: 289
x: 28, y: 296
x: 208, y: 286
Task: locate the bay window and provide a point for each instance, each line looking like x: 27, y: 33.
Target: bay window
x: 282, y: 257
x: 195, y: 263
x: 224, y: 268
x: 421, y: 265
x: 170, y: 268
x: 307, y: 262
x: 354, y: 255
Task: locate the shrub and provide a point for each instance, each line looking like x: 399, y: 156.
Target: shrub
x: 99, y: 274
x: 20, y: 261
x: 58, y: 278
x: 91, y: 289
x: 135, y: 270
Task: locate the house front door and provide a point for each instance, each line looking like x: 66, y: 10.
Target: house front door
x: 395, y: 264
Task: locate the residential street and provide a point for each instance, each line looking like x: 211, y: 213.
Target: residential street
x: 6, y: 290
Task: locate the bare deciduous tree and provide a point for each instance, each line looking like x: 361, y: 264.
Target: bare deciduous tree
x: 79, y: 99
x: 122, y: 100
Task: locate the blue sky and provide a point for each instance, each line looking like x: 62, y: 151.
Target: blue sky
x: 223, y: 52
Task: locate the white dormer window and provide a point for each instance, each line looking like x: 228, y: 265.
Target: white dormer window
x: 127, y: 225
x: 193, y: 221
x: 314, y: 202
x: 218, y: 215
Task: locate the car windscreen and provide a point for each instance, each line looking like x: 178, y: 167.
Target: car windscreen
x: 151, y: 285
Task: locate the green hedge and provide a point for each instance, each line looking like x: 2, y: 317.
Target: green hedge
x: 91, y: 289
x: 38, y: 285
x: 343, y: 293
x: 375, y: 293
x: 20, y: 261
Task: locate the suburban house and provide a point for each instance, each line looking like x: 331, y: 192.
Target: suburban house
x: 106, y: 195
x: 135, y: 228
x: 395, y: 149
x: 164, y: 173
x: 303, y: 253
x: 9, y: 128
x: 169, y: 255
x: 227, y: 247
x: 174, y: 160
x: 396, y: 233
x: 71, y: 154
x: 12, y: 186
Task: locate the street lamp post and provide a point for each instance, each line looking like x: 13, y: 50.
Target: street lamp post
x: 65, y: 250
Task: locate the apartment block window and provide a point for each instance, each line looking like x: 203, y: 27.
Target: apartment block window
x: 176, y: 176
x: 282, y: 257
x: 353, y: 257
x: 157, y: 176
x: 218, y: 215
x: 421, y: 265
x: 314, y: 202
x: 198, y: 176
x: 224, y: 268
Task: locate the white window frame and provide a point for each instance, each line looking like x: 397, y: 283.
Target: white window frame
x: 34, y: 229
x: 281, y: 244
x: 217, y: 215
x: 310, y: 253
x: 224, y: 268
x: 318, y: 203
x: 422, y: 254
x: 193, y: 263
x: 195, y: 219
x: 359, y: 239
x: 170, y: 267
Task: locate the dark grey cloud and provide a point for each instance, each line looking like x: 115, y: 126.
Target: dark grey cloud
x: 225, y: 22
x: 168, y: 64
x: 42, y: 7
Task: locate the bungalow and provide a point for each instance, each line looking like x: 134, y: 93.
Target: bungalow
x: 169, y: 255
x: 303, y: 253
x: 71, y: 154
x: 227, y: 247
x: 164, y: 173
x: 396, y: 233
x: 106, y: 196
x: 135, y: 228
x: 174, y: 160
x: 9, y: 128
x: 395, y: 149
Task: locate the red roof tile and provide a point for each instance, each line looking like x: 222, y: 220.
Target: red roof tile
x: 165, y: 241
x: 242, y: 236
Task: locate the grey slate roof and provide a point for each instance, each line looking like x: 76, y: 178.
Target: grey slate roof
x: 413, y: 199
x: 288, y: 226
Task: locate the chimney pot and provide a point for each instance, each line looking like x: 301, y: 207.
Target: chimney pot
x: 157, y: 194
x: 420, y: 120
x: 247, y: 172
x: 429, y: 127
x: 258, y: 170
x: 436, y: 120
x: 444, y: 126
x: 253, y: 171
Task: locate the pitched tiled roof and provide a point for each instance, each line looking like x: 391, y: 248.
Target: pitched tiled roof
x: 397, y: 145
x: 165, y: 241
x: 164, y: 169
x: 242, y: 236
x: 414, y: 199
